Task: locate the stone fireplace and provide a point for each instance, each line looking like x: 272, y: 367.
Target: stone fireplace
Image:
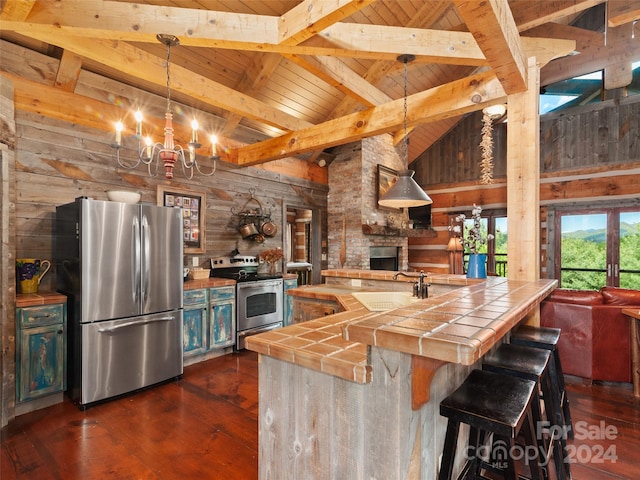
x: 352, y: 206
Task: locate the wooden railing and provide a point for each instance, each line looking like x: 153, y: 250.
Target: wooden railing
x: 500, y: 264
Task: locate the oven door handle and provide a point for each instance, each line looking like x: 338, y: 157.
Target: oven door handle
x: 260, y: 284
x: 240, y: 336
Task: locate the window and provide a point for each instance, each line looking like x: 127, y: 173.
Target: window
x: 581, y: 90
x: 495, y: 223
x: 598, y: 248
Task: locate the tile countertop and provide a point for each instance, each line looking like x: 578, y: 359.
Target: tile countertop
x: 458, y: 327
x: 387, y: 275
x: 213, y: 282
x: 207, y: 283
x: 42, y: 298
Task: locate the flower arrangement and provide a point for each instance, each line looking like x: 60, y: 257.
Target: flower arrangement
x: 475, y: 237
x: 271, y: 256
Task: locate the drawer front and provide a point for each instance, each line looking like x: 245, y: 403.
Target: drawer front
x: 222, y: 293
x: 41, y: 315
x: 195, y: 297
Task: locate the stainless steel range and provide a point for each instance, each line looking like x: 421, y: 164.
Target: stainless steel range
x: 259, y: 306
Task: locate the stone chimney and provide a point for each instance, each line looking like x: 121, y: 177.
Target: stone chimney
x: 352, y: 204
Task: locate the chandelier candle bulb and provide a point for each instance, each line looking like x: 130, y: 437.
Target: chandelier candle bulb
x: 194, y: 131
x: 138, y: 116
x: 119, y: 128
x: 147, y: 150
x: 214, y: 145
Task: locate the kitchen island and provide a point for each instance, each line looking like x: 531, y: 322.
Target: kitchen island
x: 356, y: 394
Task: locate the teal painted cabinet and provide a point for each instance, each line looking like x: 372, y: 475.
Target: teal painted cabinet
x: 40, y: 351
x: 288, y: 301
x: 195, y: 321
x: 222, y: 317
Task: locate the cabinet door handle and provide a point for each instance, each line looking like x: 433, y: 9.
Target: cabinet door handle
x: 60, y: 332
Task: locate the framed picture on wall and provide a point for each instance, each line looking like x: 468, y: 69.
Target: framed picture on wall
x: 193, y: 205
x: 385, y: 179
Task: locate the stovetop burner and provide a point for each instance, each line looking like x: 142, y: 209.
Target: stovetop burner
x: 241, y: 268
x: 243, y: 275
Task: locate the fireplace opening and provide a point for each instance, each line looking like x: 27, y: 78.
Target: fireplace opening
x: 383, y: 258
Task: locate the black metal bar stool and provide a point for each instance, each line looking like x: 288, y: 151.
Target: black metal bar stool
x: 547, y: 339
x: 534, y: 364
x: 497, y: 408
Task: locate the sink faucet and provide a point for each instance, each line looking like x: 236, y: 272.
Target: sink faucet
x: 421, y: 287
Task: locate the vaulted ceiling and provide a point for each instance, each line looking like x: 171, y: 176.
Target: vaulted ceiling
x: 294, y: 78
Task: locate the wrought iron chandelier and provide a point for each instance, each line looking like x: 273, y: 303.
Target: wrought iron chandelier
x: 151, y: 154
x: 405, y: 192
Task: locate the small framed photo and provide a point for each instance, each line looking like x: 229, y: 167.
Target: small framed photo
x: 192, y: 204
x: 386, y: 178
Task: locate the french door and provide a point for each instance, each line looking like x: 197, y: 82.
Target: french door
x: 598, y: 247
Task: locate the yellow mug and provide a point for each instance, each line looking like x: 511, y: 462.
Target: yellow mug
x: 29, y: 273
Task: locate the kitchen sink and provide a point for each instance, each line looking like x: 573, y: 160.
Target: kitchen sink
x: 381, y: 301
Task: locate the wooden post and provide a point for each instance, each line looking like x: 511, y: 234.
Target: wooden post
x: 8, y: 248
x: 523, y: 182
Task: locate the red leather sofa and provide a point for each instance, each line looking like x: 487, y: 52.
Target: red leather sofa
x: 595, y: 340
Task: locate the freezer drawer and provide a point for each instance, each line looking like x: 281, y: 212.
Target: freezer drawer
x: 121, y: 356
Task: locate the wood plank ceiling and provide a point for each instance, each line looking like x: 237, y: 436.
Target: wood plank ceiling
x: 303, y: 76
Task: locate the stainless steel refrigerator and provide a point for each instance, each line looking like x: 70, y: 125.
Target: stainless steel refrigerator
x: 120, y: 266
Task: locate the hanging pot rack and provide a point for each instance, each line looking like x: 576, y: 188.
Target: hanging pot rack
x: 251, y: 213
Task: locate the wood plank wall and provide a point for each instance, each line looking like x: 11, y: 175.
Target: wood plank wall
x: 57, y: 161
x: 590, y: 155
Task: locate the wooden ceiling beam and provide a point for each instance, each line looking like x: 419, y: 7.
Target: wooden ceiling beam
x: 528, y: 14
x: 547, y: 49
x: 140, y: 64
x: 53, y: 102
x: 310, y: 17
x: 16, y: 10
x: 493, y: 27
x: 445, y: 101
x: 620, y: 74
x: 104, y: 20
x: 68, y: 71
x: 424, y: 52
x: 584, y: 38
x: 592, y: 56
x: 619, y: 13
x: 435, y: 46
x: 35, y: 97
x: 133, y: 21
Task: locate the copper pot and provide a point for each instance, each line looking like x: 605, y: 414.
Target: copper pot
x: 248, y: 230
x: 269, y: 229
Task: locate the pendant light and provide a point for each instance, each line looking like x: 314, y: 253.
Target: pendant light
x: 405, y: 192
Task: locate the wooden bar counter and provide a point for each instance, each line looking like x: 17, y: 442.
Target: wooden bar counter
x: 635, y: 348
x: 356, y: 394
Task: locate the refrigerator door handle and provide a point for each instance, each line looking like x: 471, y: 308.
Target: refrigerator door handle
x: 146, y: 260
x: 132, y: 324
x: 135, y: 250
